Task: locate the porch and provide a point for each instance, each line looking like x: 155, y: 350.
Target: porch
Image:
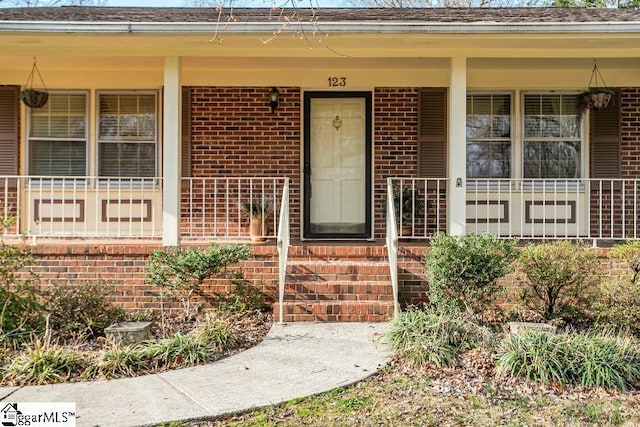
x: 211, y: 208
x: 79, y: 224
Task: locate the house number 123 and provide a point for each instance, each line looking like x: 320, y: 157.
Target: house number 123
x: 337, y: 81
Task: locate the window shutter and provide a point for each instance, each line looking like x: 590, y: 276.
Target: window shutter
x: 186, y: 132
x: 605, y: 140
x: 432, y: 133
x: 9, y: 108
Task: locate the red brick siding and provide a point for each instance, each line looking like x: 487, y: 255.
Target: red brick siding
x: 395, y: 135
x: 123, y: 267
x: 608, y: 217
x: 235, y: 134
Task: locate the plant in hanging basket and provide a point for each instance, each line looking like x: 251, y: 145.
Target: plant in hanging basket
x: 34, y: 98
x: 595, y: 98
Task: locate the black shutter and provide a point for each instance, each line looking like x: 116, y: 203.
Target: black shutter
x: 605, y: 137
x: 432, y: 133
x: 9, y: 108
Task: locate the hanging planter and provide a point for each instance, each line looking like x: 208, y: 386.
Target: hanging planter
x: 595, y: 97
x: 30, y: 96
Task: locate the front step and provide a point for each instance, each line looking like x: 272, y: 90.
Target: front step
x: 335, y: 311
x: 349, y: 285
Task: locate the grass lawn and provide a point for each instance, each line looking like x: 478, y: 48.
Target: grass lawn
x: 467, y: 394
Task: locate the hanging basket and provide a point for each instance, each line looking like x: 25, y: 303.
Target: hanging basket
x: 33, y: 98
x: 596, y: 98
x: 30, y: 96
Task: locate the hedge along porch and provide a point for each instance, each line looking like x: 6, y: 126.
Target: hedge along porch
x: 153, y: 132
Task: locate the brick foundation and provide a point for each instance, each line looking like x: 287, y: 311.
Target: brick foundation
x: 324, y: 283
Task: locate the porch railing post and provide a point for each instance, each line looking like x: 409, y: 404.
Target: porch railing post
x: 283, y: 246
x: 392, y: 245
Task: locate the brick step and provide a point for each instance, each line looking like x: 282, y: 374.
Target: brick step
x: 332, y: 311
x: 336, y: 271
x: 340, y: 291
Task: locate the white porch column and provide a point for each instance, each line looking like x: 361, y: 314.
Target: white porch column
x: 171, y: 130
x: 457, y: 203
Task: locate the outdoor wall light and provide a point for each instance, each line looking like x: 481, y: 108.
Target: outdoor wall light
x: 274, y: 99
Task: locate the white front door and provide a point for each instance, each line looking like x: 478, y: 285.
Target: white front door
x: 337, y: 158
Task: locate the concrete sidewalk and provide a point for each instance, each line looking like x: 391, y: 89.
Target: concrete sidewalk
x: 294, y: 360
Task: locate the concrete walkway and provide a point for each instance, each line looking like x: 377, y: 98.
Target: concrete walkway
x: 294, y: 360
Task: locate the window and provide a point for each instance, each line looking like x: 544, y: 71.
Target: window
x: 127, y: 134
x: 552, y: 145
x: 57, y: 136
x: 489, y: 136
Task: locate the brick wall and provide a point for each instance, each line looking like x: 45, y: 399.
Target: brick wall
x: 395, y: 136
x: 609, y: 216
x: 123, y: 267
x: 630, y: 128
x: 235, y: 134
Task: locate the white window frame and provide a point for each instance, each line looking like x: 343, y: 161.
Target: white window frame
x: 76, y: 178
x: 562, y: 183
x: 474, y: 184
x: 126, y: 181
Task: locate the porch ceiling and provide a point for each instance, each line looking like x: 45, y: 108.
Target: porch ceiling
x: 354, y: 45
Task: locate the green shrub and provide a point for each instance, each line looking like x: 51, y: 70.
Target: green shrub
x: 182, y: 271
x: 617, y: 306
x: 44, y: 363
x: 463, y: 271
x: 215, y: 333
x: 534, y: 356
x: 20, y: 312
x: 605, y: 361
x: 422, y: 336
x: 559, y: 279
x: 118, y: 361
x: 629, y: 253
x: 244, y: 297
x: 82, y: 309
x: 179, y: 350
x: 589, y: 360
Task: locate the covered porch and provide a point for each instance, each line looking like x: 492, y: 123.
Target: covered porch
x: 403, y: 126
x: 218, y: 209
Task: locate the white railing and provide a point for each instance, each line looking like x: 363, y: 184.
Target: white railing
x: 283, y: 246
x: 220, y: 208
x: 591, y: 209
x: 594, y: 209
x: 392, y: 245
x: 82, y: 206
x: 419, y: 205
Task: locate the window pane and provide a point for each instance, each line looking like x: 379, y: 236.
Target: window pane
x: 64, y: 116
x: 551, y: 116
x: 58, y: 158
x: 552, y: 132
x: 488, y: 160
x: 488, y: 118
x: 559, y: 159
x: 127, y: 159
x: 127, y: 117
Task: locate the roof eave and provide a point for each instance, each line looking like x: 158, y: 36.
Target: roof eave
x: 176, y: 28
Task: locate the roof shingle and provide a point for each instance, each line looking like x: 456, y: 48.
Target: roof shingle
x: 353, y: 15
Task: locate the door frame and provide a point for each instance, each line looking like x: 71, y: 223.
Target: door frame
x: 306, y: 165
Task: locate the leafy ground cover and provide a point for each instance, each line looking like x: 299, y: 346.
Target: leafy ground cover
x: 465, y: 394
x: 44, y: 361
